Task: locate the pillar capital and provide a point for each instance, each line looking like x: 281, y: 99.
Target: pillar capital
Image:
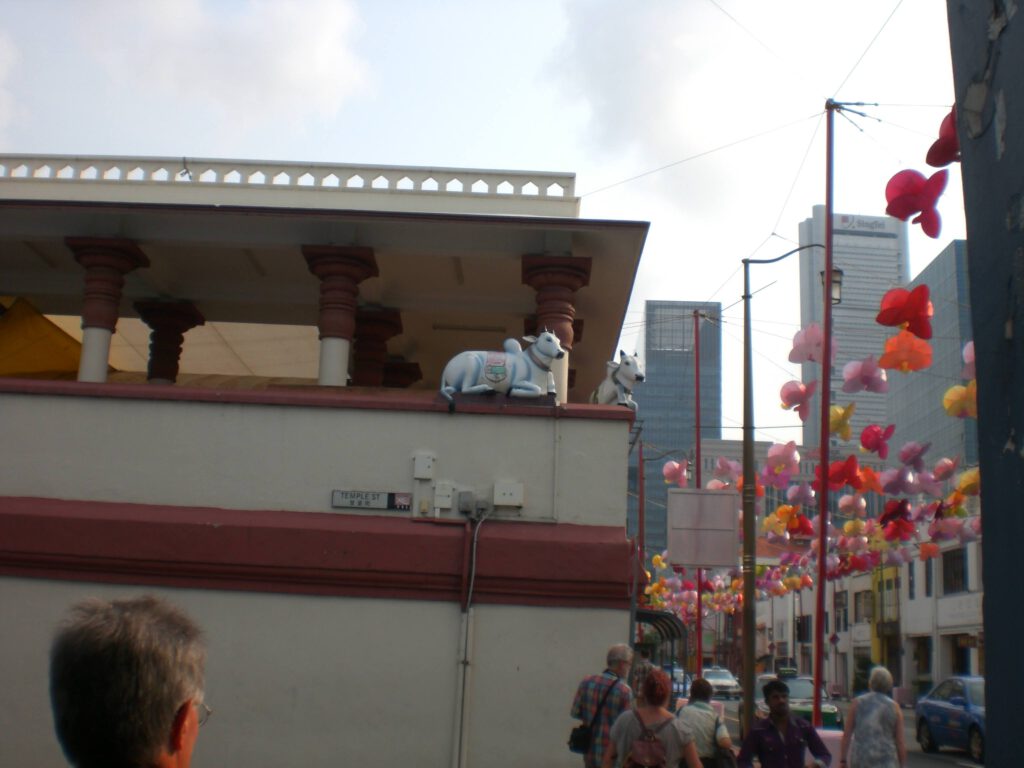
x: 106, y: 261
x: 556, y: 280
x: 341, y: 269
x: 168, y: 321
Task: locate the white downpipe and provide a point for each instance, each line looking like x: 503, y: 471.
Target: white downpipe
x: 334, y: 354
x: 463, y: 691
x: 95, y: 357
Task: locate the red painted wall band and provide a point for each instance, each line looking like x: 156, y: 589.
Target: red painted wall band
x: 310, y: 553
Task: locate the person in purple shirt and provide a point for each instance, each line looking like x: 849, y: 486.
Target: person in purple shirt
x: 782, y: 740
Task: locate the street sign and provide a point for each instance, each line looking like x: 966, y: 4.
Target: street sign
x: 388, y: 500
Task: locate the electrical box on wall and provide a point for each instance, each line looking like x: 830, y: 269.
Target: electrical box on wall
x: 423, y: 465
x: 508, y: 493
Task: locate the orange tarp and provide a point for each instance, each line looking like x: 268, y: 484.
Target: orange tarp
x: 30, y: 345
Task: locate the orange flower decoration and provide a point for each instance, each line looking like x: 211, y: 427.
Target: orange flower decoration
x: 910, y: 309
x: 869, y: 480
x: 905, y: 352
x: 928, y: 550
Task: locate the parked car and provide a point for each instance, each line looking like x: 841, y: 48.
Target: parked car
x: 801, y: 700
x: 724, y: 683
x: 953, y: 715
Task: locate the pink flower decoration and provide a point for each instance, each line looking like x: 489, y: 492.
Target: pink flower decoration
x: 944, y: 468
x: 909, y: 192
x: 968, y: 354
x: 727, y: 469
x: 807, y: 345
x: 782, y: 462
x: 946, y: 148
x: 876, y: 440
x: 899, y: 481
x: 912, y: 454
x: 853, y: 505
x: 864, y: 374
x: 800, y: 495
x: 928, y: 484
x: 675, y: 472
x: 797, y: 396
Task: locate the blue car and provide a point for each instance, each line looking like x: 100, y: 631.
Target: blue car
x: 953, y: 715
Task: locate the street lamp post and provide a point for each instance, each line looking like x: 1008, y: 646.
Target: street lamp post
x: 749, y: 560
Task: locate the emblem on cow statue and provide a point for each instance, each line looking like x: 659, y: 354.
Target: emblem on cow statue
x: 515, y: 371
x: 617, y: 386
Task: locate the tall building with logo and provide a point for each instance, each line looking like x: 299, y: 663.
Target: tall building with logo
x: 873, y: 254
x: 667, y: 400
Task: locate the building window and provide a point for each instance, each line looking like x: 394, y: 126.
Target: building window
x: 862, y: 606
x: 841, y: 610
x: 803, y: 629
x: 929, y: 578
x: 954, y: 571
x: 910, y: 579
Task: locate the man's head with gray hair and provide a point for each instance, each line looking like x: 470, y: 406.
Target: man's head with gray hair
x: 126, y: 683
x: 619, y: 653
x: 880, y: 680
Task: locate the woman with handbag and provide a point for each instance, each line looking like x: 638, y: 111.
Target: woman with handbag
x: 651, y: 718
x: 709, y: 732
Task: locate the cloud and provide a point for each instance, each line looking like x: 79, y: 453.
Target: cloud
x: 256, y: 61
x: 8, y: 57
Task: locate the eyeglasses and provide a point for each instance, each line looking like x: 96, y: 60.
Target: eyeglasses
x: 204, y: 712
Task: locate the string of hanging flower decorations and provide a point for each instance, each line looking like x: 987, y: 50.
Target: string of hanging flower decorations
x: 924, y: 505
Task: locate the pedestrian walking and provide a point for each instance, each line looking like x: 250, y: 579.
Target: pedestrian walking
x: 649, y: 722
x: 873, y: 736
x: 703, y: 722
x: 600, y: 699
x: 781, y: 740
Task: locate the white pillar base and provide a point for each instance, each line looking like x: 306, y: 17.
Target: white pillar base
x: 334, y: 354
x: 560, y: 370
x: 95, y: 359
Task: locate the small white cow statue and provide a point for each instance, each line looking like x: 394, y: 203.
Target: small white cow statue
x: 515, y: 371
x: 617, y: 386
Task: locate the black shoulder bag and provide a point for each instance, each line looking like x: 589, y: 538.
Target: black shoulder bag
x: 724, y: 757
x: 581, y: 736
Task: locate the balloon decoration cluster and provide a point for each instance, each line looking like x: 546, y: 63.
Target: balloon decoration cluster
x: 921, y: 504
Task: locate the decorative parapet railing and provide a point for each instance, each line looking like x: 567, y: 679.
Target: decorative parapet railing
x: 276, y: 184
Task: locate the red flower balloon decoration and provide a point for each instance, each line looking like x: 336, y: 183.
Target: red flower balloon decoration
x: 840, y: 473
x: 876, y: 440
x: 909, y: 192
x: 896, y: 520
x: 946, y: 148
x: 911, y: 309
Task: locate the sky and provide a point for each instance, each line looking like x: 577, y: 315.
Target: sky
x: 703, y: 117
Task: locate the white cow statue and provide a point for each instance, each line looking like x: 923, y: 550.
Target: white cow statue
x: 617, y: 386
x: 515, y: 371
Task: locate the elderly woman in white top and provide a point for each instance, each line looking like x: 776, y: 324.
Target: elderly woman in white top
x: 875, y: 727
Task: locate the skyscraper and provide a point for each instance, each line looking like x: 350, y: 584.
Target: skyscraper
x: 915, y: 401
x: 872, y: 253
x: 666, y: 400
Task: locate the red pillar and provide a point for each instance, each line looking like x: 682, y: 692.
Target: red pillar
x: 168, y: 321
x: 374, y: 326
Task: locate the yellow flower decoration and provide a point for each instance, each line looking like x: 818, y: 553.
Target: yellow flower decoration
x: 839, y: 420
x: 854, y: 527
x: 962, y: 401
x: 658, y: 562
x: 969, y: 482
x: 773, y: 524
